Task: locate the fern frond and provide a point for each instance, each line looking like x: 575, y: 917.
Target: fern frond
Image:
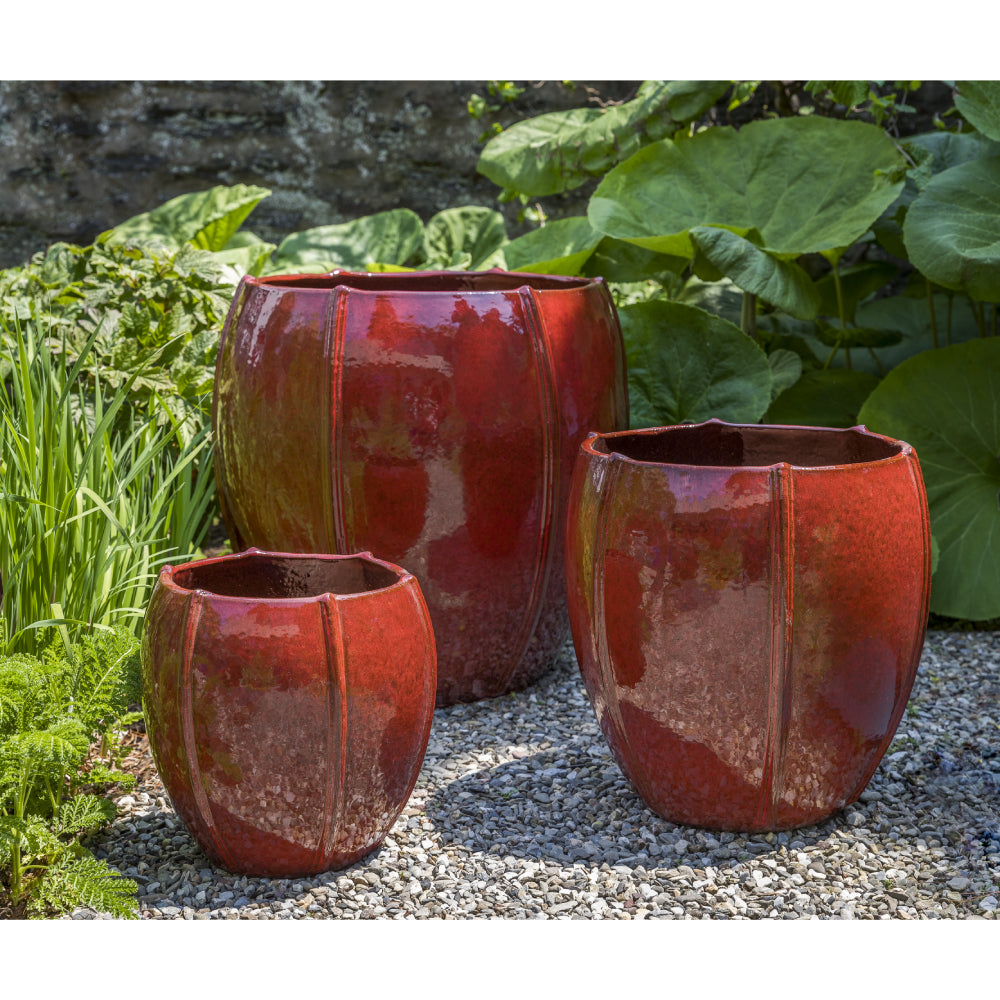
x: 71, y: 730
x: 83, y: 813
x: 41, y: 754
x: 108, y: 676
x: 84, y: 881
x: 101, y: 774
x: 31, y: 836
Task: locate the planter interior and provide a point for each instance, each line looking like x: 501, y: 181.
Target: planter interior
x: 263, y: 577
x: 424, y: 281
x: 719, y: 445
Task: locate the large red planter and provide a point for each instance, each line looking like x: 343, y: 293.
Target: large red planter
x: 288, y: 702
x: 748, y: 605
x: 434, y: 419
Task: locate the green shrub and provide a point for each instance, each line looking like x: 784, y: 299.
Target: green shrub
x: 53, y: 707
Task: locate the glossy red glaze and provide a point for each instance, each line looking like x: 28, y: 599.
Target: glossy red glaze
x: 288, y: 701
x: 434, y: 419
x: 748, y: 606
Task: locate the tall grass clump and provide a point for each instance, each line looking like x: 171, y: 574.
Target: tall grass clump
x: 95, y: 492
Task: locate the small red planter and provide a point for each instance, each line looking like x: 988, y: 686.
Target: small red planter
x: 433, y: 418
x: 288, y: 702
x: 748, y: 605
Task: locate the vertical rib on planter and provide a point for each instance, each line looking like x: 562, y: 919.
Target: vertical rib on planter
x: 432, y: 418
x: 549, y: 491
x: 332, y: 414
x: 782, y: 612
x: 202, y: 817
x: 336, y: 728
x: 748, y: 605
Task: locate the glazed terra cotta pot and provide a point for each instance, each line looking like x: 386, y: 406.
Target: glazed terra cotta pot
x: 748, y: 605
x: 288, y: 702
x: 433, y: 418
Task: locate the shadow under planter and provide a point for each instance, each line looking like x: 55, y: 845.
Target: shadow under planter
x: 748, y: 606
x: 288, y: 704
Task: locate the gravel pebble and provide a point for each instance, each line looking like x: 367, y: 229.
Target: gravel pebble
x: 521, y: 812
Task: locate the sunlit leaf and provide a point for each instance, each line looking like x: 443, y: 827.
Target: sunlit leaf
x: 561, y: 150
x: 803, y: 184
x: 391, y: 237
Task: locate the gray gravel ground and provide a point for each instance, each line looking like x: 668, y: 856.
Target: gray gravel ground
x: 521, y: 812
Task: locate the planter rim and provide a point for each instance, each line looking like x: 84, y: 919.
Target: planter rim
x: 495, y: 279
x: 166, y: 576
x: 903, y: 452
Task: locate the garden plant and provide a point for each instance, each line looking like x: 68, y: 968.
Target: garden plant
x: 59, y: 756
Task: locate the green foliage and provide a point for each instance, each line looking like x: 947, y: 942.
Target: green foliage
x: 206, y: 219
x: 829, y: 397
x: 94, y: 493
x: 561, y: 150
x: 944, y: 403
x: 790, y: 186
x: 845, y: 254
x: 880, y: 101
x: 52, y: 708
x: 673, y: 379
x: 840, y: 250
x: 128, y: 307
x: 952, y: 229
x: 466, y: 238
x: 391, y: 237
x: 560, y: 247
x: 479, y: 107
x: 979, y: 103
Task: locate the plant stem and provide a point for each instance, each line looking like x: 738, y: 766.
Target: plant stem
x: 748, y: 315
x: 878, y: 361
x: 840, y: 312
x: 977, y: 311
x: 930, y: 306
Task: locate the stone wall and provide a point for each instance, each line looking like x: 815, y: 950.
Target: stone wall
x: 78, y: 157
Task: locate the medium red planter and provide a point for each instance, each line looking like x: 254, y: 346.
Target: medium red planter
x: 434, y: 419
x: 748, y: 605
x: 288, y: 702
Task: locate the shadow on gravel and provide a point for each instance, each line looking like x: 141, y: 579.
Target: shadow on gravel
x: 536, y: 809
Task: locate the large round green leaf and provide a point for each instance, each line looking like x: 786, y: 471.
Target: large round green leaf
x: 561, y: 150
x: 782, y: 283
x: 952, y: 229
x: 208, y: 219
x: 979, y: 103
x: 463, y: 238
x: 685, y: 364
x: 934, y: 152
x: 616, y: 260
x: 803, y: 184
x: 829, y: 397
x: 387, y: 238
x: 945, y: 404
x: 560, y: 247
